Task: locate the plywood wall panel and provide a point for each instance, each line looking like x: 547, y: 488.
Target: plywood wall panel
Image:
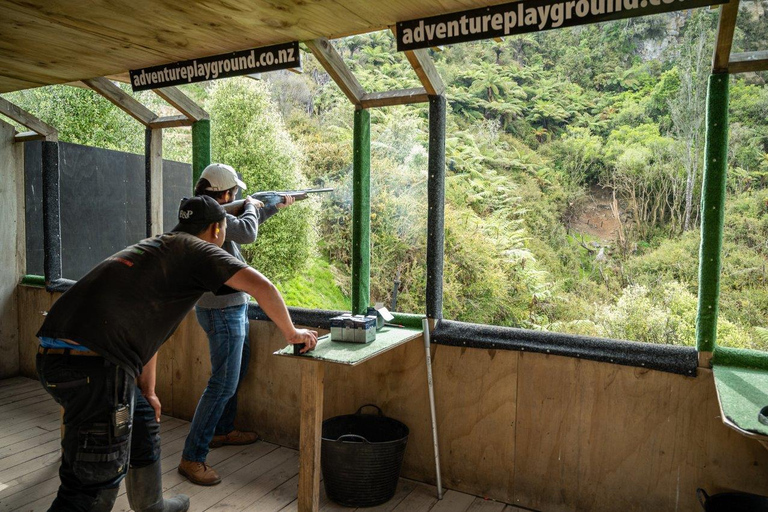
x: 538, y: 431
x: 34, y: 303
x: 593, y: 436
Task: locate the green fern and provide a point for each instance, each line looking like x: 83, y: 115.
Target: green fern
x: 762, y: 333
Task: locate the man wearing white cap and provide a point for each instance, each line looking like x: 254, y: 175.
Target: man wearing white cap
x: 225, y: 320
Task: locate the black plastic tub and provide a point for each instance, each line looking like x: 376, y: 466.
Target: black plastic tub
x: 732, y: 502
x: 361, y: 458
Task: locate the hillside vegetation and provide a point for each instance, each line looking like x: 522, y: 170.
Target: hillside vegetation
x: 574, y: 165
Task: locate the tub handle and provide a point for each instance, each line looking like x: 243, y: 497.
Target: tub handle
x: 359, y: 411
x: 353, y: 436
x: 703, y: 497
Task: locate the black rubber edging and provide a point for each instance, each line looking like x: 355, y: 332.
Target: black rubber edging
x: 315, y: 318
x: 665, y: 358
x: 60, y: 285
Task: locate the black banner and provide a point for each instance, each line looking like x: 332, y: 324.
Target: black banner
x: 245, y: 62
x: 528, y: 16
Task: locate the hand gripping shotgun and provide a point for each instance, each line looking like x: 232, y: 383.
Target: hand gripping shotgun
x: 273, y: 198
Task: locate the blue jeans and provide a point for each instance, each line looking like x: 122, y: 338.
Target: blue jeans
x: 227, y: 331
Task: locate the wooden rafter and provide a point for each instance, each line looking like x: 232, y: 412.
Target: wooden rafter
x: 171, y: 122
x: 40, y: 129
x: 27, y: 136
x: 330, y: 59
x: 425, y: 69
x: 122, y: 100
x: 400, y: 97
x: 725, y: 28
x: 182, y: 103
x: 427, y: 72
x: 748, y: 62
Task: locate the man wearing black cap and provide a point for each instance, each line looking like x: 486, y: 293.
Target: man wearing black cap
x: 101, y: 338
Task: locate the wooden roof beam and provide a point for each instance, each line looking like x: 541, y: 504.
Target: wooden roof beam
x: 427, y: 72
x: 748, y: 62
x: 725, y: 27
x: 24, y: 118
x: 330, y: 59
x: 425, y: 69
x: 389, y: 98
x: 122, y: 100
x: 171, y: 122
x: 182, y: 103
x: 27, y: 136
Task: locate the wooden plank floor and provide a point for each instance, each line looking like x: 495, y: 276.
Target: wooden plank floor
x: 262, y: 477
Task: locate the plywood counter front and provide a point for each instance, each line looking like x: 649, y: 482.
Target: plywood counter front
x: 545, y: 432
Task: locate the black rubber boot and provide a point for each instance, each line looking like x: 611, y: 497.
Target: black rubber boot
x: 145, y: 491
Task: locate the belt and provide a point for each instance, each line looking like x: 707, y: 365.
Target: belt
x: 70, y: 351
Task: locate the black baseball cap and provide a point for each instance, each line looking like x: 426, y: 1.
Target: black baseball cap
x: 197, y: 212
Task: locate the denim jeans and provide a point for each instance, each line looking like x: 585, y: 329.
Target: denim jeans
x: 227, y: 331
x: 95, y: 454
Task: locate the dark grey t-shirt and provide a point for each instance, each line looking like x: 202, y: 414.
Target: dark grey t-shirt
x: 131, y: 303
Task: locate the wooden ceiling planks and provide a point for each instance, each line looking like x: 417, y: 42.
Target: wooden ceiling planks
x: 59, y: 41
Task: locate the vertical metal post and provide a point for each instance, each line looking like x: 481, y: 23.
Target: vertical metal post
x: 201, y: 148
x: 712, y: 215
x: 51, y: 212
x: 361, y: 212
x: 436, y: 204
x: 153, y: 167
x: 430, y: 386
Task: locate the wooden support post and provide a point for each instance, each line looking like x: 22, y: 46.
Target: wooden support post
x: 361, y: 212
x: 436, y: 204
x: 312, y: 379
x: 153, y: 159
x: 712, y: 211
x: 201, y: 148
x: 51, y: 213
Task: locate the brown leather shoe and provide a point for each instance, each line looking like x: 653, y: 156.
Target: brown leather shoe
x: 199, y: 473
x: 235, y: 437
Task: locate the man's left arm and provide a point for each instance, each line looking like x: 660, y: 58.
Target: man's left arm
x: 146, y: 382
x: 268, y: 211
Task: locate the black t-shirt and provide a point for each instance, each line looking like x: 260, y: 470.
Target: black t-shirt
x: 131, y: 303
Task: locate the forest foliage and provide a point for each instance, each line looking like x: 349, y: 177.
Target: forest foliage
x: 548, y: 136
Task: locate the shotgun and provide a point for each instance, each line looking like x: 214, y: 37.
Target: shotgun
x: 273, y: 198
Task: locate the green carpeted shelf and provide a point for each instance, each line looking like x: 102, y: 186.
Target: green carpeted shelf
x: 355, y: 353
x: 742, y: 393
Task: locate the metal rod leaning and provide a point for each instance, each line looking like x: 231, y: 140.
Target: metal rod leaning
x: 425, y: 326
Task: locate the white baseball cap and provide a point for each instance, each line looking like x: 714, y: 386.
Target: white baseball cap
x: 221, y: 177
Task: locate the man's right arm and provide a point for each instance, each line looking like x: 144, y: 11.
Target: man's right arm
x: 245, y: 228
x: 271, y: 302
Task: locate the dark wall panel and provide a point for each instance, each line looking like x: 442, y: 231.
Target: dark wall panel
x: 102, y: 203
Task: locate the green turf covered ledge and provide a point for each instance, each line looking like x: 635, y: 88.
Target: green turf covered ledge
x: 32, y: 280
x: 742, y: 357
x: 321, y: 318
x: 741, y: 379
